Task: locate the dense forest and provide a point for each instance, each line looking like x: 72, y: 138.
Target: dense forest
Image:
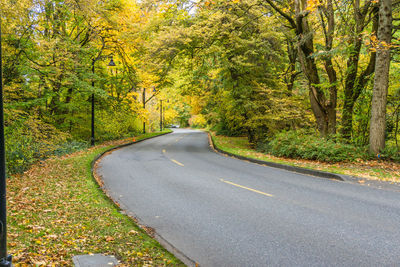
x: 292, y: 76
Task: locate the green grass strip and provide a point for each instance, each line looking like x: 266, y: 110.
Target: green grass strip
x: 57, y: 210
x: 376, y: 170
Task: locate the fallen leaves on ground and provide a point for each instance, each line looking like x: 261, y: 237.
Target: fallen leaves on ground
x: 56, y: 211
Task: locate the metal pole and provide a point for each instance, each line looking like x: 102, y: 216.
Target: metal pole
x: 92, y: 137
x: 5, y: 260
x: 144, y: 107
x: 161, y: 116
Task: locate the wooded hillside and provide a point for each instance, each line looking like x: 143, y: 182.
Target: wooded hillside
x: 323, y: 71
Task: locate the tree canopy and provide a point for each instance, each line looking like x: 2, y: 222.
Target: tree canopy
x: 253, y: 68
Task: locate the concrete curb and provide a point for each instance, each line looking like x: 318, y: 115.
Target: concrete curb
x: 316, y: 173
x: 177, y: 253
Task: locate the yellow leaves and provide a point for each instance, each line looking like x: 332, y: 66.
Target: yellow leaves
x: 133, y: 232
x: 313, y: 5
x: 198, y: 121
x: 51, y: 237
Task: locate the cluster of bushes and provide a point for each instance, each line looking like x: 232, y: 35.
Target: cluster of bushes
x: 117, y: 124
x: 303, y: 145
x: 29, y: 140
x: 198, y: 121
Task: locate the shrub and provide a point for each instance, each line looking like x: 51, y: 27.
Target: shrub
x: 197, y: 121
x: 110, y: 126
x: 292, y: 144
x: 30, y: 140
x: 70, y: 147
x: 390, y: 153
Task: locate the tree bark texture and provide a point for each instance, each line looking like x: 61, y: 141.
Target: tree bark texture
x: 354, y: 82
x: 324, y: 110
x: 381, y: 81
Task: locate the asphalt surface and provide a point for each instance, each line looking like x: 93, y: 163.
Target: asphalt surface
x: 221, y: 211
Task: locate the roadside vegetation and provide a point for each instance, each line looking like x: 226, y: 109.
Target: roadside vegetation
x: 314, y: 82
x: 326, y: 72
x: 346, y: 163
x: 57, y: 210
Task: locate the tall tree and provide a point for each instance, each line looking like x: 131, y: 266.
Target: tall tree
x: 381, y: 81
x: 356, y: 80
x: 323, y: 104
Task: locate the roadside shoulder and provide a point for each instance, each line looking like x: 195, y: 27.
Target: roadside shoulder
x: 307, y: 171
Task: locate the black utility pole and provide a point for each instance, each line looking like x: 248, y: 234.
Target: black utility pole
x: 92, y: 137
x: 161, y: 116
x: 5, y: 259
x: 144, y: 107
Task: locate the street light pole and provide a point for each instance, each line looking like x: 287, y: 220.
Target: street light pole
x: 5, y: 259
x: 111, y: 64
x: 92, y: 136
x: 144, y: 108
x: 161, y: 116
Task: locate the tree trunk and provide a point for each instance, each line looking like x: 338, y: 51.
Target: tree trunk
x: 291, y: 72
x: 331, y: 106
x: 309, y: 67
x: 330, y: 70
x: 381, y: 81
x: 324, y: 111
x: 355, y: 84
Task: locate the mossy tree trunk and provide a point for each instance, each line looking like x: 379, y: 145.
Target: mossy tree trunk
x: 381, y: 81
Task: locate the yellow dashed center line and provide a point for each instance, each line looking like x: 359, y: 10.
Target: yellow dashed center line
x: 177, y: 162
x: 174, y: 161
x: 247, y: 188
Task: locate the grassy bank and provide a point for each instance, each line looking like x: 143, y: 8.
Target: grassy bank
x: 56, y: 211
x: 373, y: 169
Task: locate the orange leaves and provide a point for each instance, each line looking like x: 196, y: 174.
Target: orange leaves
x: 375, y: 44
x: 109, y: 238
x: 209, y: 3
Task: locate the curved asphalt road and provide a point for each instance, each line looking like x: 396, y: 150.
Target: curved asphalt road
x: 220, y: 211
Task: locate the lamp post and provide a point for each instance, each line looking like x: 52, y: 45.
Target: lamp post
x: 144, y: 108
x: 5, y: 259
x: 111, y: 64
x: 144, y: 104
x: 92, y: 127
x: 161, y: 116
